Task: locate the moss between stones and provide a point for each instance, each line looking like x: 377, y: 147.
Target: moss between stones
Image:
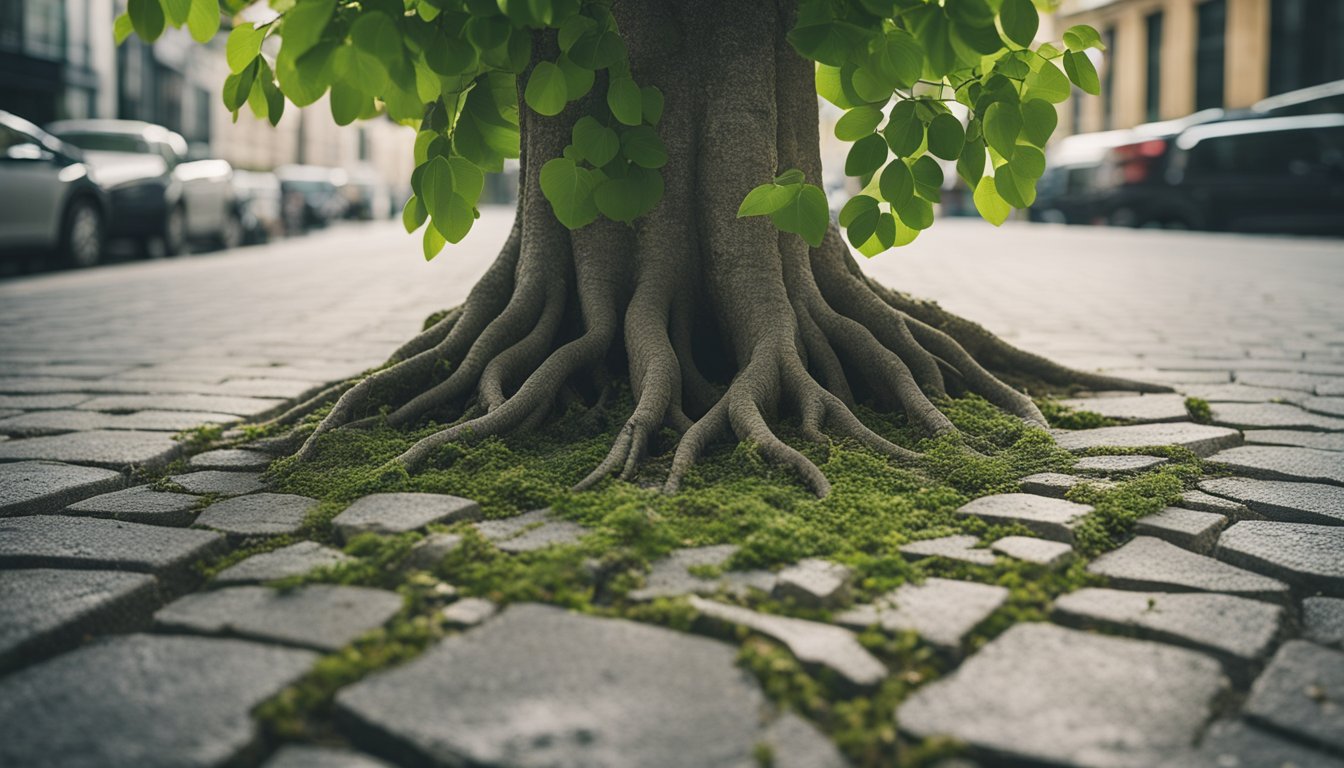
x: 1062, y: 416
x: 1199, y: 410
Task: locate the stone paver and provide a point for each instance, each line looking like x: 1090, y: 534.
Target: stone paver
x: 1301, y: 382
x: 143, y: 701
x: 468, y: 612
x: 1330, y: 406
x: 58, y: 422
x: 427, y: 553
x: 388, y: 513
x: 1272, y: 416
x: 323, y: 617
x: 1047, y: 517
x: 1205, y: 502
x: 261, y: 514
x: 963, y: 548
x: 1149, y: 563
x: 32, y: 487
x: 1118, y: 465
x: 293, y: 560
x: 140, y: 505
x: 1323, y: 621
x: 540, y: 686
x: 1234, y: 744
x: 1202, y: 439
x: 671, y: 577
x: 1135, y: 408
x: 237, y: 406
x: 814, y: 583
x: 236, y: 459
x: 1051, y: 554
x: 48, y: 610
x: 1045, y: 694
x: 1310, y: 556
x: 530, y: 531
x: 1188, y: 528
x: 1240, y: 393
x: 57, y: 541
x: 1324, y: 441
x: 1282, y: 500
x: 1277, y: 463
x: 41, y: 402
x: 1300, y: 693
x: 219, y: 483
x: 942, y: 611
x: 307, y: 756
x: 100, y: 448
x: 1052, y: 484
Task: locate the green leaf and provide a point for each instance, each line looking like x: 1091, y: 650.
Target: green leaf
x: 652, y: 101
x: 485, y: 134
x: 625, y: 100
x: 896, y: 183
x: 1028, y: 162
x: 433, y: 242
x: 1048, y: 84
x: 862, y: 223
x: 598, y: 50
x: 243, y: 46
x: 631, y: 196
x: 1038, y: 121
x: 457, y: 223
x: 641, y: 146
x: 791, y: 176
x: 305, y: 80
x: 275, y: 101
x: 829, y: 87
x: 360, y: 70
x: 302, y: 26
x: 857, y: 123
x: 468, y: 180
x: 487, y: 32
x: 546, y: 91
x: 829, y: 42
x: 569, y: 189
x: 946, y: 136
x: 971, y: 164
x: 857, y: 205
x: 414, y: 214
x: 866, y: 156
x: 1018, y: 191
x: 1019, y: 21
x: 177, y: 11
x: 806, y: 215
x: 903, y: 54
x: 376, y: 34
x: 578, y: 80
x: 1080, y: 37
x: 436, y: 186
x: 573, y: 28
x: 238, y: 86
x: 147, y: 18
x: 904, y: 131
x: 595, y: 142
x: 122, y: 28
x: 1081, y: 72
x: 991, y: 206
x: 203, y: 20
x: 927, y: 172
x: 347, y: 103
x: 1003, y: 123
x: 767, y: 199
x: 916, y: 213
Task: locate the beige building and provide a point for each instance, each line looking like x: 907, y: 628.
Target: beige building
x: 1168, y: 58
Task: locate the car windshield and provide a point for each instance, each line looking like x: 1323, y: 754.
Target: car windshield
x: 107, y: 142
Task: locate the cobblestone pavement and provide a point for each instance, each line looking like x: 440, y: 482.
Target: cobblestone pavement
x: 1218, y: 639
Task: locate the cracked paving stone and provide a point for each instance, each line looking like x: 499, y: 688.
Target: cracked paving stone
x: 1202, y: 439
x: 260, y: 514
x: 58, y: 422
x: 540, y: 686
x: 530, y: 531
x: 33, y: 487
x: 1205, y: 502
x: 1310, y: 556
x: 814, y: 583
x: 961, y: 548
x: 671, y: 577
x: 1240, y: 393
x: 427, y: 553
x: 1324, y: 441
x: 57, y: 541
x: 1148, y: 563
x: 307, y: 756
x: 323, y: 617
x: 1300, y: 692
x: 1188, y: 528
x: 1303, y: 382
x: 111, y: 449
x: 468, y: 612
x: 1237, y: 630
x: 1332, y: 387
x: 1234, y: 744
x: 1281, y: 500
x: 1118, y: 465
x: 1323, y: 620
x: 1330, y: 406
x: 392, y: 513
x: 1047, y: 517
x: 1051, y: 554
x: 941, y: 611
x: 219, y: 483
x: 1052, y: 484
x: 1045, y: 694
x: 1136, y: 408
x: 293, y: 560
x: 231, y: 459
x: 237, y: 406
x: 42, y: 402
x: 139, y: 505
x: 1275, y: 463
x: 1272, y: 416
x: 144, y: 701
x: 48, y: 610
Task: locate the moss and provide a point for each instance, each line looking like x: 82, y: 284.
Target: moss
x: 200, y: 437
x: 1199, y: 410
x: 1117, y: 508
x: 1063, y: 417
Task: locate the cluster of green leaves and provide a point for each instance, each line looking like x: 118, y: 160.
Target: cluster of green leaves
x: 957, y: 83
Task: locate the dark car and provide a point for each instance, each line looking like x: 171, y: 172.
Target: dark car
x: 1067, y: 191
x: 49, y: 199
x: 311, y: 196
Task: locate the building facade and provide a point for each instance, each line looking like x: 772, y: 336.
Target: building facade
x: 58, y: 59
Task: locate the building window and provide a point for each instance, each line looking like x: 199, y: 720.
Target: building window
x: 1153, y: 75
x: 1304, y: 43
x: 1210, y: 49
x: 1108, y: 80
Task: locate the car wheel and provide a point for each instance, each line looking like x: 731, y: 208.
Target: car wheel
x: 175, y: 231
x: 231, y: 235
x: 82, y: 237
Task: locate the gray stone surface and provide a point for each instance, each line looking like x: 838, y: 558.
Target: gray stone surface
x: 1236, y: 630
x: 942, y: 611
x: 1282, y: 500
x: 230, y: 458
x: 813, y: 643
x: 1302, y: 382
x: 308, y: 756
x: 237, y: 406
x: 1135, y: 408
x: 468, y: 612
x: 1051, y: 554
x: 1272, y: 416
x: 103, y: 448
x: 430, y: 551
x: 1325, y: 441
x: 57, y: 541
x: 323, y: 617
x: 293, y: 560
x: 1205, y: 502
x: 1052, y: 484
x: 1323, y: 621
x: 143, y: 701
x: 1203, y: 439
x: 1050, y: 518
x: 1234, y: 744
x: 1310, y: 556
x: 795, y: 743
x: 32, y: 487
x: 1330, y: 406
x: 530, y: 531
x: 1278, y: 463
x: 388, y: 513
x: 1045, y: 694
x: 814, y: 583
x: 671, y: 577
x: 58, y: 422
x: 1188, y: 528
x: 139, y: 505
x: 540, y: 686
x: 1333, y: 387
x: 961, y: 548
x: 1149, y: 563
x: 47, y: 610
x: 260, y: 514
x: 219, y: 482
x: 1240, y: 393
x: 1300, y: 693
x: 1118, y: 465
x: 42, y: 402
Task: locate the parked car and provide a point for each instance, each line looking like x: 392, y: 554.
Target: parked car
x: 311, y: 196
x: 259, y: 205
x: 1323, y: 99
x: 49, y: 199
x: 366, y: 195
x: 1067, y: 192
x: 158, y: 195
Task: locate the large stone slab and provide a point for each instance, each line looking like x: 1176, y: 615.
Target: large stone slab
x: 1281, y: 500
x: 140, y: 505
x: 1136, y: 408
x: 1323, y: 621
x: 1205, y: 502
x: 1240, y: 393
x: 42, y: 402
x: 814, y: 583
x: 57, y: 541
x: 1234, y: 744
x: 1330, y: 406
x: 1149, y: 563
x: 1202, y: 439
x: 237, y: 406
x: 47, y: 610
x: 530, y: 531
x: 963, y: 547
x: 103, y: 448
x: 1272, y: 416
x: 261, y: 514
x: 143, y: 701
x: 1051, y: 554
x: 1188, y: 528
x: 1118, y: 465
x: 219, y: 482
x: 1045, y: 694
x: 323, y: 617
x: 293, y: 560
x: 671, y: 576
x: 388, y: 513
x: 58, y: 422
x: 33, y: 487
x: 540, y: 686
x: 1310, y: 556
x: 1302, y: 382
x: 1325, y: 441
x: 1052, y: 484
x: 307, y: 756
x: 1300, y: 693
x: 942, y: 611
x: 1278, y: 463
x: 236, y: 459
x: 1044, y: 516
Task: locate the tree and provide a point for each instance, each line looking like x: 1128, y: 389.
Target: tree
x: 669, y: 226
